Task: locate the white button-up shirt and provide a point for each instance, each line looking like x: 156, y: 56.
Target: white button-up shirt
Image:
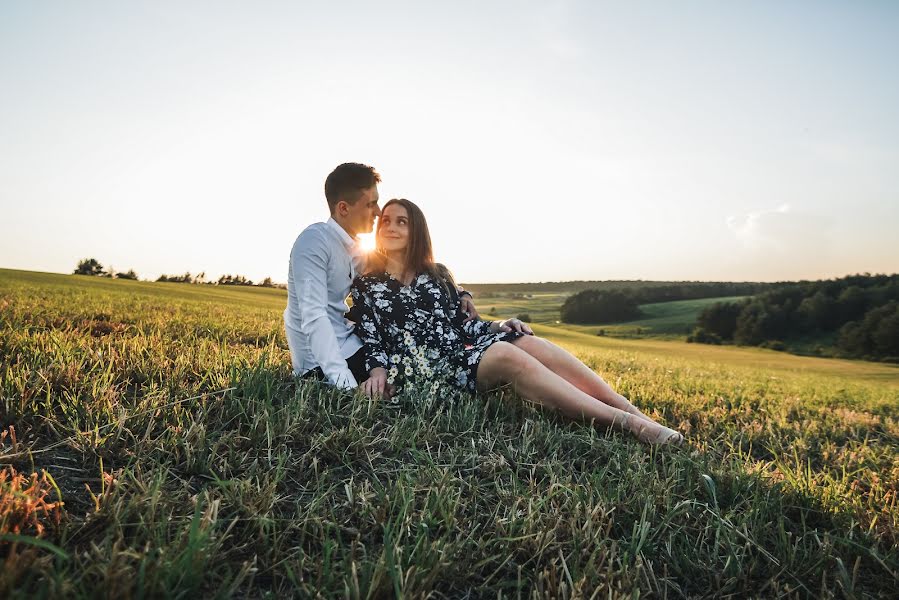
x: 323, y: 263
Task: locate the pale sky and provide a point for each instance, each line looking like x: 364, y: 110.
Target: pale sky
x: 544, y: 141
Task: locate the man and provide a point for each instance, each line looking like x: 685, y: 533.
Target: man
x: 325, y: 259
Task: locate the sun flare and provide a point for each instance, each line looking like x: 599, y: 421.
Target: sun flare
x: 367, y: 241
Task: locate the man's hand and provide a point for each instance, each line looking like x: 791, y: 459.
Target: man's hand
x: 376, y: 384
x: 512, y: 325
x: 467, y: 306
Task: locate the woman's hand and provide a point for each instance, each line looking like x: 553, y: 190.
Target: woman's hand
x: 376, y: 384
x: 511, y: 325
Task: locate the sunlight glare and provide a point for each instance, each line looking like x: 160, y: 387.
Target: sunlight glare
x: 367, y: 241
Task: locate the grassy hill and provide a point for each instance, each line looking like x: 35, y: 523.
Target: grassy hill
x: 190, y: 463
x: 660, y: 320
x: 570, y: 287
x: 670, y: 320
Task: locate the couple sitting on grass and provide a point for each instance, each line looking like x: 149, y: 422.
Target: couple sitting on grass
x: 410, y: 324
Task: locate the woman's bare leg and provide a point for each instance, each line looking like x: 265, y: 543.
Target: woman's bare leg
x: 572, y: 370
x: 533, y: 381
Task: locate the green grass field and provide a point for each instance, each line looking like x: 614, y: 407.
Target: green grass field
x: 663, y: 320
x: 190, y: 463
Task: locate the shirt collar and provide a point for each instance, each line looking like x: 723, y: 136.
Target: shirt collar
x: 348, y: 241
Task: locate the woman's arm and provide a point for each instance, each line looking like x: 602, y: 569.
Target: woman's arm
x: 471, y: 325
x: 363, y: 314
x: 477, y: 327
x: 510, y: 325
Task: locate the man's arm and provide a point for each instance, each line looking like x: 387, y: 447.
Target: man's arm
x: 309, y: 258
x: 467, y: 305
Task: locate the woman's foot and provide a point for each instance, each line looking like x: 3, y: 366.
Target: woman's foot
x: 636, y: 411
x: 650, y: 432
x: 664, y: 436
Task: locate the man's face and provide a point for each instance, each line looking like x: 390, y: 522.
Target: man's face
x: 360, y: 216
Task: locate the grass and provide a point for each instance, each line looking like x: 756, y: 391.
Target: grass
x: 543, y: 307
x: 190, y: 463
x: 662, y: 320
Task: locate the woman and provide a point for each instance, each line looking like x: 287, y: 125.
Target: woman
x: 406, y: 310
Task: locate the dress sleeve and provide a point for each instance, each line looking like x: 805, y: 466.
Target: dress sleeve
x: 471, y: 329
x: 362, y: 313
x: 476, y: 327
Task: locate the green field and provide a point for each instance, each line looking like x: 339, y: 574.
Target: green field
x: 190, y: 463
x: 669, y: 320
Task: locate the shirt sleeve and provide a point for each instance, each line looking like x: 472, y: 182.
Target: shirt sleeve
x: 310, y: 268
x: 367, y: 329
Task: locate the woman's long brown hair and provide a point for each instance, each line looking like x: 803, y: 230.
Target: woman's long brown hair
x: 419, y: 252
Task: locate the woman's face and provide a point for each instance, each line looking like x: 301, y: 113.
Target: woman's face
x: 393, y: 228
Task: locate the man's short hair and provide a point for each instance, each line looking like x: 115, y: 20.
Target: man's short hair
x: 347, y: 183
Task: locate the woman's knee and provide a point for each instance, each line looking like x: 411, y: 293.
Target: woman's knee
x: 499, y: 352
x: 510, y: 360
x: 533, y: 345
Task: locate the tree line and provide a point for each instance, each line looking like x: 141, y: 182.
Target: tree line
x: 860, y: 312
x: 92, y: 267
x: 623, y: 304
x: 562, y: 287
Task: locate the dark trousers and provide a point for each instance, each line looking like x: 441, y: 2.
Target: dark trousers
x: 356, y: 363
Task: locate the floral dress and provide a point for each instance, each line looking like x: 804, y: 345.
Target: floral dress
x: 416, y: 332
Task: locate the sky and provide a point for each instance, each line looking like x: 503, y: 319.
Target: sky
x: 544, y: 141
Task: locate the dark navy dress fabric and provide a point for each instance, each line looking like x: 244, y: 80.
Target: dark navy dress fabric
x: 416, y: 332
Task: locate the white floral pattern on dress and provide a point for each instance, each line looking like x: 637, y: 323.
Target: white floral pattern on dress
x: 417, y: 331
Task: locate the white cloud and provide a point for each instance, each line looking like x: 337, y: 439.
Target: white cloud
x: 768, y: 228
x: 782, y: 242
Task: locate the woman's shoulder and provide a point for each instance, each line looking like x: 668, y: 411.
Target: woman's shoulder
x: 444, y: 277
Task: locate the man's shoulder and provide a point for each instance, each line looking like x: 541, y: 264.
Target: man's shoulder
x: 316, y: 230
x: 316, y: 235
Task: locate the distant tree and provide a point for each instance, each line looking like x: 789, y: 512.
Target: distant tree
x: 701, y: 336
x: 852, y: 304
x: 720, y: 319
x: 818, y: 312
x: 267, y: 282
x: 598, y: 306
x: 89, y: 266
x: 886, y: 332
x: 234, y: 280
x: 876, y: 336
x: 186, y: 278
x: 524, y: 317
x: 752, y: 325
x: 861, y: 311
x: 130, y: 274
